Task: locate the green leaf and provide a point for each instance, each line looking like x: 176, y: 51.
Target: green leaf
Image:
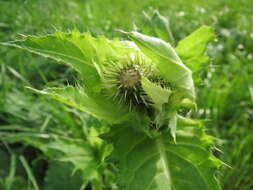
x: 90, y: 56
x: 97, y: 106
x: 153, y: 90
x: 171, y: 69
x: 83, y: 52
x: 80, y: 153
x: 168, y: 64
x: 158, y: 26
x: 60, y: 176
x: 172, y: 116
x: 192, y: 49
x: 160, y: 164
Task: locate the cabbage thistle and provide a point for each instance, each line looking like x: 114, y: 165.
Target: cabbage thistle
x: 137, y: 88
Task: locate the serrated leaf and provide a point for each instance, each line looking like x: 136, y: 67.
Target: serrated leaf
x: 83, y: 52
x: 88, y: 55
x: 161, y: 164
x: 168, y: 64
x: 96, y: 106
x: 192, y: 49
x: 79, y: 153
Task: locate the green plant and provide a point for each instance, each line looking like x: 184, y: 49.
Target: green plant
x: 143, y: 95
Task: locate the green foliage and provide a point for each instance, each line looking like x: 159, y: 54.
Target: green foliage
x: 159, y: 163
x: 60, y: 176
x: 192, y: 48
x: 165, y: 60
x: 94, y: 105
x: 158, y: 26
x: 218, y: 85
x: 169, y: 161
x: 82, y: 155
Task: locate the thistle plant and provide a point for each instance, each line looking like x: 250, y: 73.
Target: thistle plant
x: 136, y: 89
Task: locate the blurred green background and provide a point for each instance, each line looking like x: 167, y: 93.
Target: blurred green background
x: 225, y: 95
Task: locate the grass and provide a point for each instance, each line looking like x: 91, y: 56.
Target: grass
x: 224, y: 96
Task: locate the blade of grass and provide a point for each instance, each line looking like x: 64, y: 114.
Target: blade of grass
x: 10, y: 178
x: 29, y: 172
